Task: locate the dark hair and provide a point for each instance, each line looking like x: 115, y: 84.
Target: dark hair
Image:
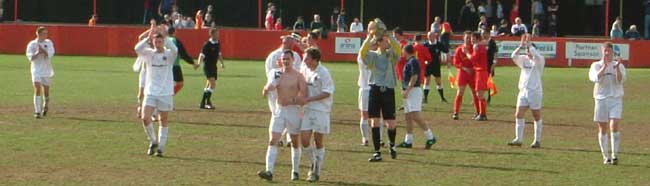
x: 213, y: 30
x: 313, y: 35
x: 314, y: 53
x: 409, y: 49
x: 608, y: 45
x: 287, y: 51
x: 476, y: 35
x: 171, y: 30
x: 467, y: 32
x: 157, y: 35
x: 398, y: 30
x: 418, y: 37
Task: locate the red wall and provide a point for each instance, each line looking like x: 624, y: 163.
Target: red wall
x: 236, y: 43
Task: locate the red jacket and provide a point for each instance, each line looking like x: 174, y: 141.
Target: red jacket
x: 423, y: 56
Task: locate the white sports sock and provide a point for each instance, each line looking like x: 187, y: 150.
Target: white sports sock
x: 151, y: 133
x: 320, y: 158
x: 311, y: 155
x: 363, y: 125
x: 616, y: 140
x: 538, y: 130
x: 408, y: 138
x: 288, y: 137
x: 46, y: 100
x: 520, y: 124
x: 438, y: 87
x: 295, y: 159
x: 271, y: 154
x: 37, y: 104
x: 428, y: 134
x: 604, y: 145
x: 162, y: 137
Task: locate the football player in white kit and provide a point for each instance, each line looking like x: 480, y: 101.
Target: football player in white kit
x: 39, y: 53
x: 608, y: 74
x: 272, y: 69
x: 530, y: 90
x: 159, y: 87
x: 317, y: 107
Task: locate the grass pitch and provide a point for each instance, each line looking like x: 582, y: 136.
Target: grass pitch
x: 92, y: 137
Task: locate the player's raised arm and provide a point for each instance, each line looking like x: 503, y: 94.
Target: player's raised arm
x: 363, y: 51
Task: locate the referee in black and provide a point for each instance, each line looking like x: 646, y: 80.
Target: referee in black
x: 210, y: 54
x: 436, y: 49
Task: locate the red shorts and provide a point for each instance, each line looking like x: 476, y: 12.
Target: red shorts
x: 465, y: 79
x: 480, y: 80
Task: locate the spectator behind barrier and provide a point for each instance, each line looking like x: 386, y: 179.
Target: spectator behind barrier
x: 632, y: 33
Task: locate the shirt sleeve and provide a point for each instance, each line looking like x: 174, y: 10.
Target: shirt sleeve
x: 538, y: 58
x: 50, y: 49
x: 623, y: 72
x: 31, y: 50
x: 183, y: 53
x: 141, y: 49
x: 593, y: 72
x: 328, y: 83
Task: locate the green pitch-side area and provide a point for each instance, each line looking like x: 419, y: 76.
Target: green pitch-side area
x: 91, y: 135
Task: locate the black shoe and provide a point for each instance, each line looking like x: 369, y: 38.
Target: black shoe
x: 444, y: 100
x: 159, y: 153
x: 454, y: 116
x: 265, y: 175
x: 480, y: 118
x: 536, y: 145
x: 376, y: 157
x: 45, y: 111
x: 393, y: 152
x: 615, y: 161
x: 430, y: 143
x: 405, y: 145
x: 607, y: 162
x: 152, y: 149
x: 294, y: 176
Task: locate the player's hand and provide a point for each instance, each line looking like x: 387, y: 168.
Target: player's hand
x: 223, y: 66
x: 618, y: 63
x: 405, y: 94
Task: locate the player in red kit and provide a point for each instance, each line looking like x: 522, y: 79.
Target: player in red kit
x: 479, y: 62
x: 421, y: 54
x: 398, y: 33
x: 465, y: 72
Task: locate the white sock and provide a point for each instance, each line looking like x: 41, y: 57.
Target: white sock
x: 151, y: 133
x: 320, y: 158
x: 438, y: 87
x: 408, y: 138
x: 428, y: 134
x: 538, y: 130
x: 520, y: 124
x: 616, y: 140
x: 295, y: 159
x: 288, y: 137
x: 46, y: 100
x: 162, y: 137
x: 363, y: 125
x: 271, y: 154
x: 604, y: 145
x: 311, y: 155
x: 37, y: 104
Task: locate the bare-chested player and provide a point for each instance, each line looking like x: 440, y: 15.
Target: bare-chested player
x: 291, y: 88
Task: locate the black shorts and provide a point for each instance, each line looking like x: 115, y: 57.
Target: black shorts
x: 381, y: 103
x: 210, y: 72
x: 178, y: 73
x: 433, y: 69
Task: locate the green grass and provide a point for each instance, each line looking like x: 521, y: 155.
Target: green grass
x: 92, y: 137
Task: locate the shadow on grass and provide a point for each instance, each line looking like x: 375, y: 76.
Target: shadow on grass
x: 178, y: 122
x: 482, y: 167
x: 262, y: 164
x: 480, y: 152
x: 594, y: 151
x: 370, y: 151
x: 347, y: 183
